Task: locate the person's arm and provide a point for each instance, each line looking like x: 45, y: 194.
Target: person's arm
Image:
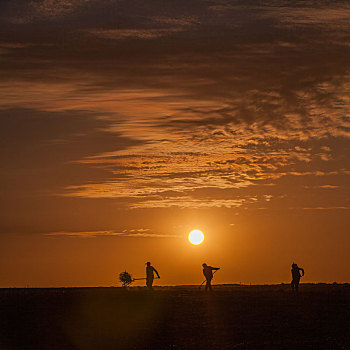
x: 216, y: 268
x: 156, y: 272
x: 302, y: 271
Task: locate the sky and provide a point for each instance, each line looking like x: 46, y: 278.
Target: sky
x: 125, y: 124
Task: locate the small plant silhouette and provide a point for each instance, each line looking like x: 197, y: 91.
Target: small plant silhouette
x: 125, y: 278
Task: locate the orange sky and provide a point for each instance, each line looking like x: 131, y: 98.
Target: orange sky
x: 126, y: 124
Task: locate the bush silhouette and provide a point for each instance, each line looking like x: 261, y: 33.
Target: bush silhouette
x: 125, y: 278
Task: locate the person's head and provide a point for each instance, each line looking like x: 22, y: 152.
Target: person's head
x: 294, y: 265
x: 148, y: 263
x: 204, y: 265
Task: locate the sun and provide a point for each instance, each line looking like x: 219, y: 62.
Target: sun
x: 196, y: 237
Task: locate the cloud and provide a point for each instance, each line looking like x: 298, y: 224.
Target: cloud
x: 327, y: 208
x: 329, y: 186
x: 41, y: 10
x: 119, y: 34
x: 108, y: 233
x: 187, y: 203
x: 68, y: 135
x: 335, y: 14
x: 159, y: 104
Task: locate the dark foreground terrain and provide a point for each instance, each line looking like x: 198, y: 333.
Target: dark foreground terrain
x: 232, y: 317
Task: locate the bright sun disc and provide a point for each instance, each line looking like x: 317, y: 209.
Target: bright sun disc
x: 196, y: 237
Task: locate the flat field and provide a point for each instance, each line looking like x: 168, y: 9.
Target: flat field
x: 232, y: 317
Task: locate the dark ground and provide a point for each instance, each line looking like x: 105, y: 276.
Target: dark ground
x: 232, y: 317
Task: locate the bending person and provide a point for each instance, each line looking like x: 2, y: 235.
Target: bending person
x: 208, y: 274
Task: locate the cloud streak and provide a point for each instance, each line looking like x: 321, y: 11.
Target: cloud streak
x: 141, y: 233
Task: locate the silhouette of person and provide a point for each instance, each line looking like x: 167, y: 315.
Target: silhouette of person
x: 208, y: 274
x: 150, y: 275
x: 296, y: 276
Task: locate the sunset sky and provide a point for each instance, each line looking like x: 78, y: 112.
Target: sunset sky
x: 125, y: 124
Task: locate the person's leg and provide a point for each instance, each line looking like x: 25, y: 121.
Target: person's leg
x: 292, y: 285
x: 297, y: 285
x: 207, y: 285
x: 149, y: 283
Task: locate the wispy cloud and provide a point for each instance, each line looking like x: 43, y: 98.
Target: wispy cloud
x: 326, y: 208
x: 335, y: 14
x: 119, y: 34
x: 179, y: 101
x: 323, y: 186
x: 41, y: 10
x: 136, y: 233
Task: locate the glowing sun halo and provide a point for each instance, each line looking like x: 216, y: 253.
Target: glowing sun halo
x: 196, y: 237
